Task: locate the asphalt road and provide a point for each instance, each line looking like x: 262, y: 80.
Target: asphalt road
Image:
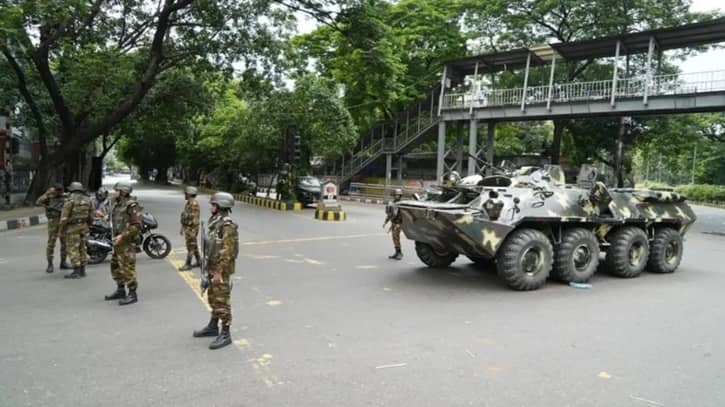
x: 323, y: 318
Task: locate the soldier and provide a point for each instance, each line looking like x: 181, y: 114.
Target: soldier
x: 190, y: 228
x: 75, y: 219
x: 393, y: 216
x: 126, y: 227
x: 220, y: 251
x: 53, y: 200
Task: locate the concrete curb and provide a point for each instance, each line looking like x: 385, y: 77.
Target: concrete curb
x: 335, y: 216
x: 269, y: 203
x: 19, y: 223
x: 376, y: 201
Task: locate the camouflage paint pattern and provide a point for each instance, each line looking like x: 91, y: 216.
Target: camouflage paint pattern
x: 53, y: 236
x: 221, y: 257
x: 190, y: 224
x: 466, y: 228
x: 395, y: 232
x: 53, y: 208
x: 75, y: 219
x: 127, y: 225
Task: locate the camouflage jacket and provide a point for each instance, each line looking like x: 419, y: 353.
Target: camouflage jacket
x: 77, y: 210
x: 53, y: 205
x: 392, y: 213
x: 191, y: 214
x: 222, y: 243
x: 126, y: 219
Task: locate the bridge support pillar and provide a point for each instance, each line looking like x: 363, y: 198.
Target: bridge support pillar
x: 441, y: 153
x: 388, y: 172
x: 459, y: 147
x: 489, y: 143
x: 472, y: 147
x: 399, y: 172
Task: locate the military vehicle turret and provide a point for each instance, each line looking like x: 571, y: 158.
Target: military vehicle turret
x: 532, y: 225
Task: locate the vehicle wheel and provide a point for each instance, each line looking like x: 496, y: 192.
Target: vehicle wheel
x: 524, y: 260
x: 157, y: 246
x: 483, y: 263
x: 96, y: 256
x: 577, y: 257
x: 665, y: 252
x: 428, y: 255
x: 628, y: 252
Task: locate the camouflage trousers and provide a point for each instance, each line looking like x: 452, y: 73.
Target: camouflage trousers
x: 75, y: 238
x: 123, y: 264
x: 395, y: 231
x: 220, y: 299
x: 53, y: 229
x: 190, y: 235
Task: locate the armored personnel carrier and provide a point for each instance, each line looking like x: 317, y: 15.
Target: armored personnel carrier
x: 532, y: 225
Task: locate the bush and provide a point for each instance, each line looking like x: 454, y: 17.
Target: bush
x: 703, y: 192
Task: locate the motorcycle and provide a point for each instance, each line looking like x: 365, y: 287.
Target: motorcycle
x: 100, y: 241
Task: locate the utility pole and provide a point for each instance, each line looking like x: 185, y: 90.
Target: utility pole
x: 694, y: 160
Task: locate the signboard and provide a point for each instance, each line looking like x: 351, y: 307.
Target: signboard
x: 329, y: 193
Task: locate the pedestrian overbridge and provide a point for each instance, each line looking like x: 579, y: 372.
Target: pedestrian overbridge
x: 469, y: 95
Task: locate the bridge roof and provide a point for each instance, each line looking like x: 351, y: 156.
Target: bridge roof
x: 685, y: 36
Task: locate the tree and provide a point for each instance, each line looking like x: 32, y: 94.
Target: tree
x: 150, y: 134
x: 499, y: 24
x: 98, y: 59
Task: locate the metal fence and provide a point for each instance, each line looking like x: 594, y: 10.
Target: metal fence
x: 641, y: 86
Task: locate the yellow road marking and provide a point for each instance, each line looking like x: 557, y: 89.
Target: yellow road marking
x: 274, y: 303
x: 313, y: 261
x: 308, y: 239
x: 262, y: 369
x: 366, y: 267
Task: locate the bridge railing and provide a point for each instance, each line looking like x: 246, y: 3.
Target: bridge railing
x: 659, y: 85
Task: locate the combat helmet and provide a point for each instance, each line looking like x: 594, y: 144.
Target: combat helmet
x: 224, y: 200
x: 398, y: 192
x: 75, y: 186
x: 190, y: 191
x: 123, y: 186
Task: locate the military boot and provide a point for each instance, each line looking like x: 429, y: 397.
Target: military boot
x: 76, y: 273
x: 118, y: 294
x: 130, y: 298
x: 224, y: 339
x: 64, y: 265
x: 187, y: 265
x: 397, y: 255
x: 212, y: 329
x: 82, y: 271
x: 198, y: 261
x: 49, y: 269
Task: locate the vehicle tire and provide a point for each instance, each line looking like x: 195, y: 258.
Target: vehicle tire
x: 96, y: 256
x: 524, y: 259
x: 157, y: 246
x: 665, y: 251
x: 483, y: 263
x: 577, y: 257
x: 434, y: 259
x: 628, y: 252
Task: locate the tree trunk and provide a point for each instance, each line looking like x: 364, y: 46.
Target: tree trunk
x: 619, y: 154
x: 556, y: 142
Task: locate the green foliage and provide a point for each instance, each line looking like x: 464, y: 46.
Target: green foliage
x: 703, y: 192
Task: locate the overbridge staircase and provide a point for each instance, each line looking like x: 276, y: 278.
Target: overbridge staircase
x: 398, y: 136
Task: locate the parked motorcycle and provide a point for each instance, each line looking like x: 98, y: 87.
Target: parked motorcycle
x: 100, y: 241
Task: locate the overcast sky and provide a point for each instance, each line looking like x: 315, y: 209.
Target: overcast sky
x: 712, y: 60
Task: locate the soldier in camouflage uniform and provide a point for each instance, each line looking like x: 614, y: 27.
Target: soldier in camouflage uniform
x: 190, y: 228
x: 393, y: 216
x: 220, y: 251
x: 53, y: 200
x: 75, y: 219
x: 126, y: 228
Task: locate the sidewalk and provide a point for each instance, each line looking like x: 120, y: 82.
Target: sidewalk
x: 22, y: 217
